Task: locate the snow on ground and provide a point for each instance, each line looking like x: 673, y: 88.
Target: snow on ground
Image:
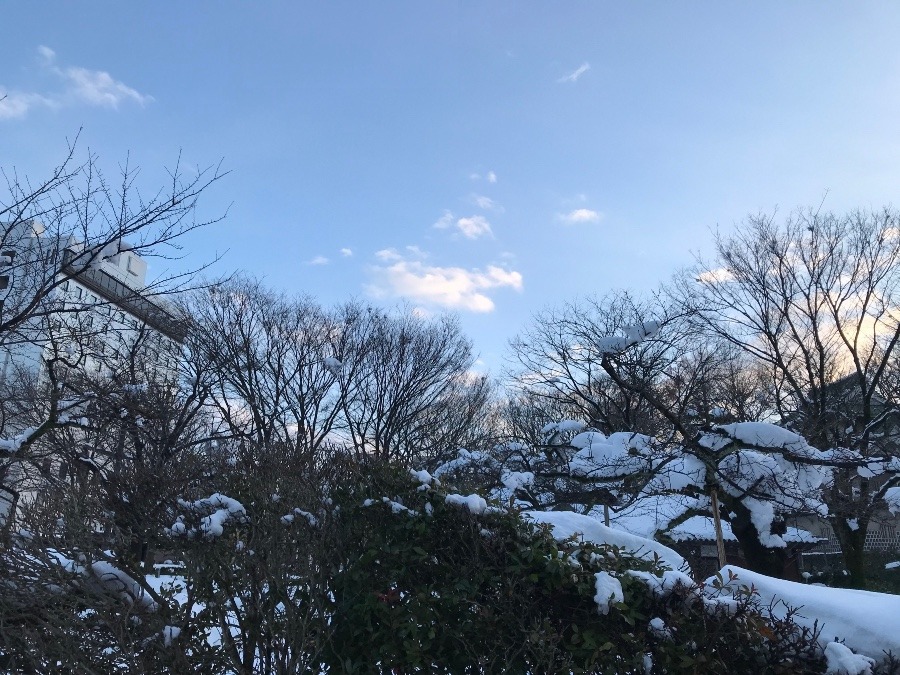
x: 892, y: 499
x: 841, y: 660
x: 868, y: 622
x: 166, y: 583
x: 567, y: 524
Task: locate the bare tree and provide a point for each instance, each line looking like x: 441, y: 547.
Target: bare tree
x: 271, y: 358
x: 61, y: 228
x: 92, y: 411
x: 559, y: 358
x: 76, y: 218
x: 402, y: 379
x: 813, y: 300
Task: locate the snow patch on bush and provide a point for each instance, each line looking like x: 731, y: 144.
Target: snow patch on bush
x: 609, y: 590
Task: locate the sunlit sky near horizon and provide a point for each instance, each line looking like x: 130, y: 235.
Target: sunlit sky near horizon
x: 491, y: 158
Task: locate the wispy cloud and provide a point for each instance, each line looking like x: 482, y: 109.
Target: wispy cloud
x: 78, y: 86
x: 318, y: 260
x: 388, y: 255
x: 486, y: 203
x: 417, y: 252
x: 717, y: 276
x: 575, y: 74
x: 16, y: 104
x: 346, y: 252
x: 581, y: 216
x: 490, y: 176
x: 445, y: 221
x: 97, y: 87
x: 48, y: 56
x: 442, y: 287
x: 471, y: 227
x: 474, y: 227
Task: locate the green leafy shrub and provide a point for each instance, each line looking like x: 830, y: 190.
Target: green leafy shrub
x: 429, y: 585
x: 376, y: 572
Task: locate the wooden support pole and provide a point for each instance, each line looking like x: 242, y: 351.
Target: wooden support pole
x: 717, y: 521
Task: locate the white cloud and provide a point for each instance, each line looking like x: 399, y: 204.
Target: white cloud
x: 575, y: 74
x: 486, y: 203
x: 79, y: 85
x: 471, y: 227
x: 16, y: 104
x: 490, y: 176
x: 445, y: 287
x: 97, y: 87
x: 346, y: 252
x: 47, y: 54
x: 445, y: 221
x: 318, y: 260
x: 388, y: 255
x: 581, y: 216
x: 716, y: 276
x: 474, y: 226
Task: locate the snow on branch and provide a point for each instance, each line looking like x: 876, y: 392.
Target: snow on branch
x: 219, y: 510
x: 103, y: 576
x: 12, y: 445
x: 633, y: 335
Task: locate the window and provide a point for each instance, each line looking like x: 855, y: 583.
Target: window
x: 4, y: 282
x: 130, y: 264
x: 6, y: 257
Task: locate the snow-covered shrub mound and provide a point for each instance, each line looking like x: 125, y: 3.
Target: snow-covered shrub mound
x: 566, y: 525
x: 867, y: 622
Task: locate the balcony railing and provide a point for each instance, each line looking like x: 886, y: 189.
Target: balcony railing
x: 125, y: 297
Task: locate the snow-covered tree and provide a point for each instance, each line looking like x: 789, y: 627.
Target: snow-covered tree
x: 812, y: 299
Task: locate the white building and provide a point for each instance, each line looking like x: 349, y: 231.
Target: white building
x: 89, y: 307
x: 93, y: 303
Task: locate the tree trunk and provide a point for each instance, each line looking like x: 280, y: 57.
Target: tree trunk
x: 852, y: 549
x: 762, y: 559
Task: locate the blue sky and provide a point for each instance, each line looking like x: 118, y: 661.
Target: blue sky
x: 486, y: 158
